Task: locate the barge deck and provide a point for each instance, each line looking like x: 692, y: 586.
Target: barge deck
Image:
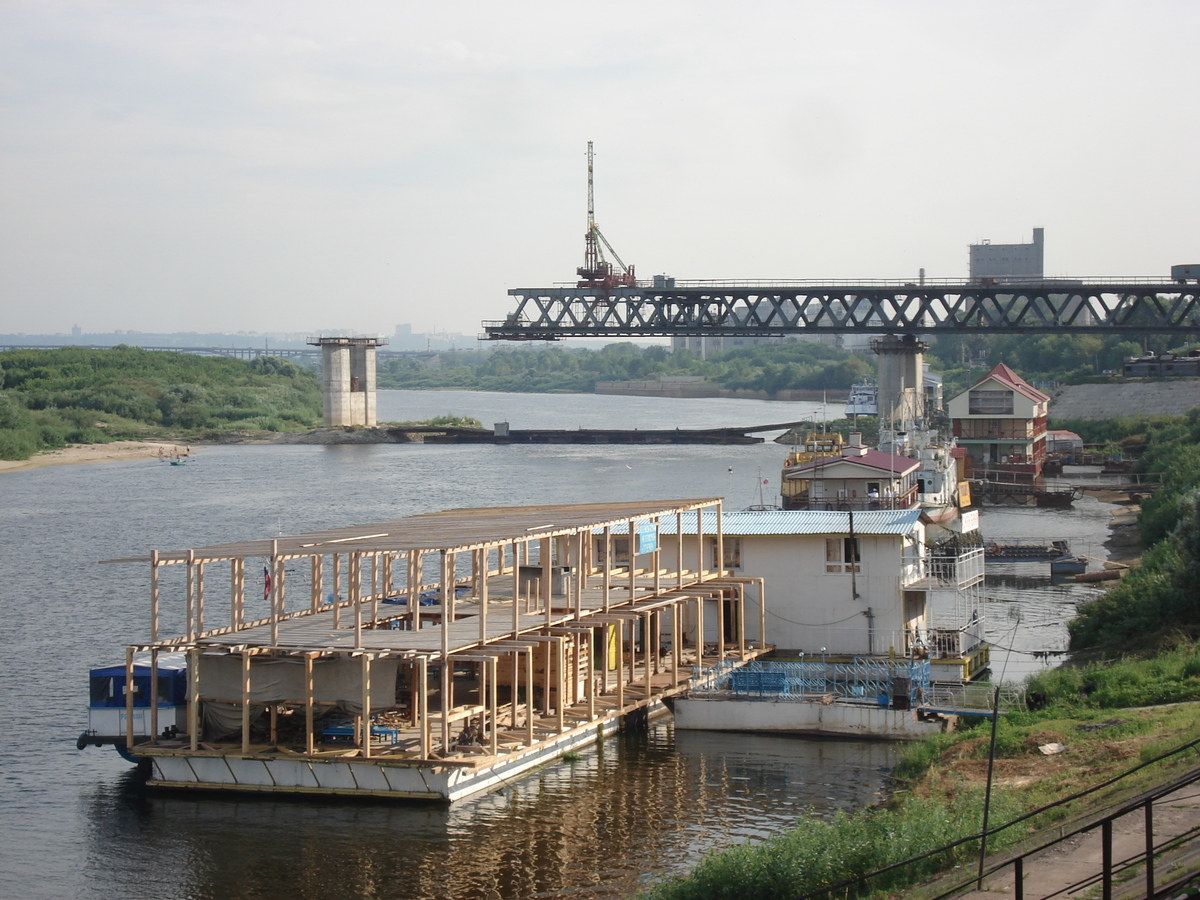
x: 557, y: 625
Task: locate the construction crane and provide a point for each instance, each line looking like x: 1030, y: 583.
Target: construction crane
x: 596, y: 272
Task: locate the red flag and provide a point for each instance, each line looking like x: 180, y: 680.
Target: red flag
x: 266, y: 582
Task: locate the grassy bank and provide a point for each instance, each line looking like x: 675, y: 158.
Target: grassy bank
x: 1097, y: 712
x: 52, y: 398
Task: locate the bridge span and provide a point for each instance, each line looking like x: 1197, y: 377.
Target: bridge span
x: 666, y: 308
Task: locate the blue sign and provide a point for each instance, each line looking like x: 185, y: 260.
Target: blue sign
x: 647, y: 536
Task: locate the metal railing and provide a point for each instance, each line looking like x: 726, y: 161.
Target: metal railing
x: 878, y: 681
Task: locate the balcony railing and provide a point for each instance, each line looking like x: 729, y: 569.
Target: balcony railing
x: 959, y: 571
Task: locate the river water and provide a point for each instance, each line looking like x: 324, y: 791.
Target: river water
x: 625, y: 813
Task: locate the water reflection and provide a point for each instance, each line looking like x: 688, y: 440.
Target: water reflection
x: 601, y: 826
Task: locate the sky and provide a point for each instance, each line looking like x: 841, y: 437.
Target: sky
x: 308, y: 166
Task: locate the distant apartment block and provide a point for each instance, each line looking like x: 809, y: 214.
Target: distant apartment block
x: 1009, y: 262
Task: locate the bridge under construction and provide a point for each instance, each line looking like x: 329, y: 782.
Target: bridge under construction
x: 664, y: 307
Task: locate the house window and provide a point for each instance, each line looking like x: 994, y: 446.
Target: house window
x: 733, y: 552
x: 841, y: 554
x: 990, y: 403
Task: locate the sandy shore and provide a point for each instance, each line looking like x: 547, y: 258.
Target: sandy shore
x: 93, y: 453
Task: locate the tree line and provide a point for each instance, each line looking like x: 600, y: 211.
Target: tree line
x: 768, y: 366
x: 52, y: 398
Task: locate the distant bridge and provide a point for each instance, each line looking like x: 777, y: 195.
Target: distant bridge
x: 313, y: 353
x: 717, y: 308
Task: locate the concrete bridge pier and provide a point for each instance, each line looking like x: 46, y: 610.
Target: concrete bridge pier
x: 901, y: 377
x: 348, y: 378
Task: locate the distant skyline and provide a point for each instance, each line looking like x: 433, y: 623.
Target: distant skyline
x: 304, y: 166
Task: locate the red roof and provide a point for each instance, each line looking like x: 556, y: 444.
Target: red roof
x: 1008, y: 377
x: 872, y: 459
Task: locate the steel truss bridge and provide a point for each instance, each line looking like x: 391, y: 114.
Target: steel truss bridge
x: 1126, y: 306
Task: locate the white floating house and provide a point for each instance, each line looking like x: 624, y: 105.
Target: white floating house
x: 850, y: 584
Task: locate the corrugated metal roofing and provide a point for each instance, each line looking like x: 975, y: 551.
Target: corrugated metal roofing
x: 796, y: 521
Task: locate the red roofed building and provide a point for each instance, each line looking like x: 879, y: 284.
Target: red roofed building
x: 860, y: 478
x: 1001, y: 422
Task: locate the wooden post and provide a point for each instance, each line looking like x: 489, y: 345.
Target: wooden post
x: 194, y: 697
x: 762, y: 612
x: 309, y: 689
x: 620, y: 667
x: 375, y: 581
x: 580, y: 574
x: 676, y: 633
x: 200, y: 598
x: 318, y: 581
x: 516, y: 685
x: 279, y: 587
x: 699, y: 629
x: 721, y: 606
x: 129, y: 698
x: 632, y: 560
x: 590, y: 684
x: 700, y: 544
x: 154, y: 596
x: 413, y: 591
x: 720, y: 544
x: 191, y: 595
x: 355, y: 590
x: 272, y: 594
x: 154, y: 695
x: 447, y: 701
x: 516, y: 595
x: 547, y: 581
x: 529, y: 697
x: 245, y: 701
x: 647, y: 636
x: 741, y: 619
x: 679, y: 566
x: 421, y: 704
x: 560, y: 650
x: 493, y: 704
x: 366, y: 705
x: 606, y: 584
x: 237, y: 592
x: 337, y: 590
x: 154, y: 650
x: 482, y: 593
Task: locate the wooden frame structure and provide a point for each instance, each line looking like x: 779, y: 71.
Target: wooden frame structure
x: 473, y: 642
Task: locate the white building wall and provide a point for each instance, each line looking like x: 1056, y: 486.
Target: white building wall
x: 808, y: 607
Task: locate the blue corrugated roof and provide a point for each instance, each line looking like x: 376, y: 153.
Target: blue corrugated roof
x: 796, y: 521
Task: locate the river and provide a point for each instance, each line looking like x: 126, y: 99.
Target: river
x: 625, y: 813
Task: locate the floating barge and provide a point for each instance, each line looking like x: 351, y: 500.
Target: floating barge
x: 502, y: 434
x: 432, y: 657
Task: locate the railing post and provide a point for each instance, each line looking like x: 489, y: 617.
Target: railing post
x: 1107, y: 853
x: 1149, y: 848
x: 1019, y: 876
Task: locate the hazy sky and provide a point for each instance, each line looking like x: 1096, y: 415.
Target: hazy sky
x: 305, y: 166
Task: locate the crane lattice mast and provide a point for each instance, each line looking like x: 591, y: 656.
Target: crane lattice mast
x: 596, y: 271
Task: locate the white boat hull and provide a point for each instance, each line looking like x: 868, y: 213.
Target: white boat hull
x: 803, y: 717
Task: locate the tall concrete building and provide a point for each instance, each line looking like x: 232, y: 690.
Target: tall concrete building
x: 348, y: 376
x: 1009, y: 262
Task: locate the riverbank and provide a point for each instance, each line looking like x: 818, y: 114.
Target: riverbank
x: 79, y: 454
